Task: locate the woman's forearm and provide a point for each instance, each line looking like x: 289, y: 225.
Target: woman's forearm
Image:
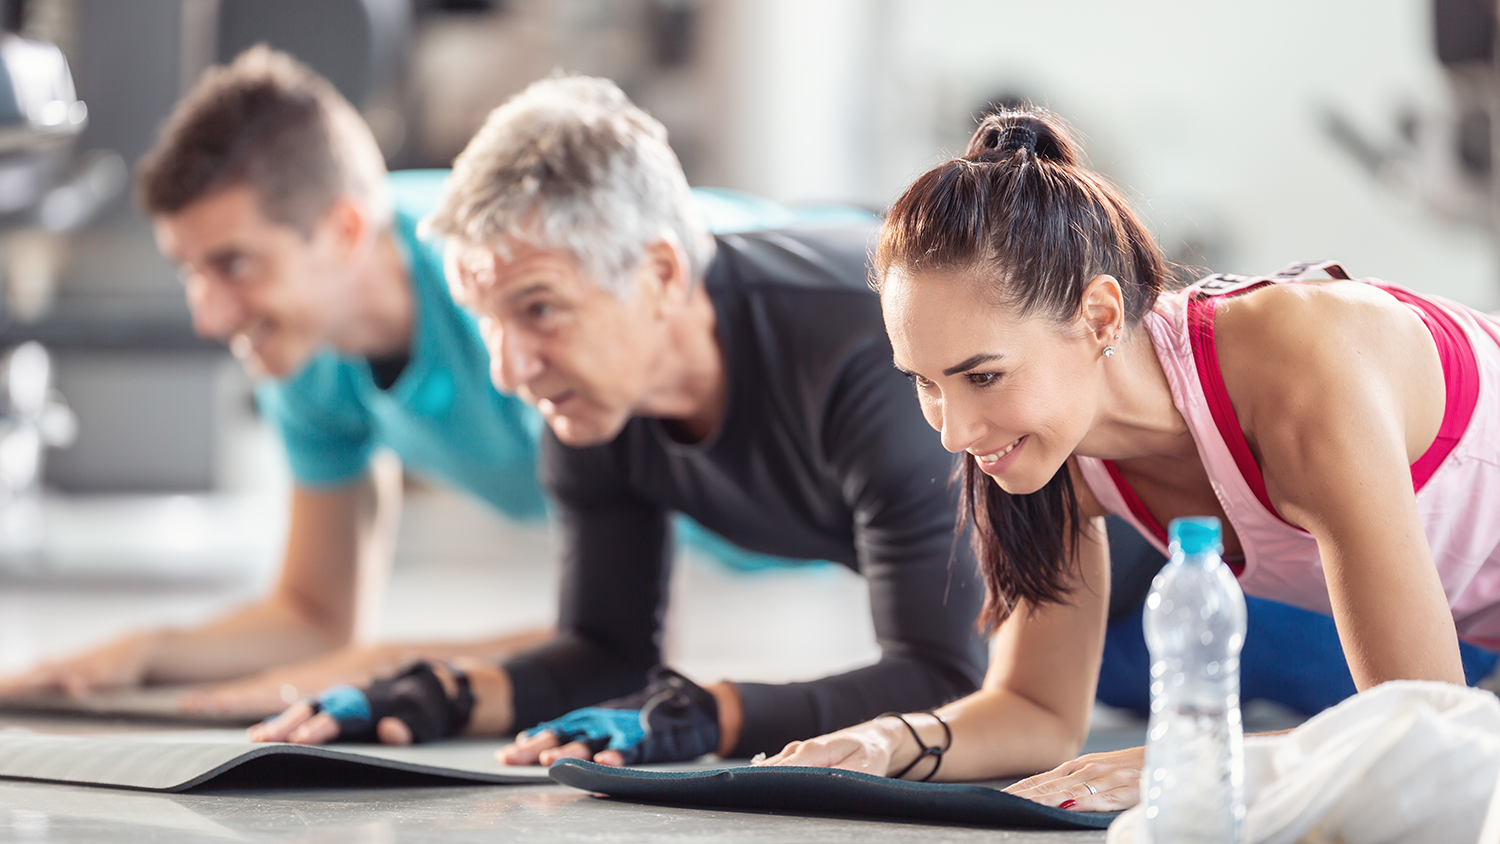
x: 996, y: 733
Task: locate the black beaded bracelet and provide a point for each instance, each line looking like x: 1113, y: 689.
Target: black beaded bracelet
x: 935, y: 752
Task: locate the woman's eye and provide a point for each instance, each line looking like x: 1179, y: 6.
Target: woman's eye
x: 982, y: 379
x: 921, y: 382
x: 539, y: 310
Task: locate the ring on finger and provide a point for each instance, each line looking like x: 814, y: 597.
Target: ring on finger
x: 1091, y: 789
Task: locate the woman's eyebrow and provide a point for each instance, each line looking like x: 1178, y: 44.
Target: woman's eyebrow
x: 972, y: 362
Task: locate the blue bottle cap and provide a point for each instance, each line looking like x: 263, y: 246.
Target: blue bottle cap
x: 1196, y: 534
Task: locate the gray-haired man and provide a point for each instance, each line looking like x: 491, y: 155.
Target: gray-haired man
x: 744, y: 380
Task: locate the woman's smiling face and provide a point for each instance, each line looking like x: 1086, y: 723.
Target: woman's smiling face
x: 1016, y: 393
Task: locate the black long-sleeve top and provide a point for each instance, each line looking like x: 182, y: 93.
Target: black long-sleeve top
x: 823, y: 454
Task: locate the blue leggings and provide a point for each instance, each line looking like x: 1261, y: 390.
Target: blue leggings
x: 1292, y: 656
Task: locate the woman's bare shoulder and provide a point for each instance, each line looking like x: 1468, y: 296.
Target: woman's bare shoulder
x: 1273, y: 339
x: 1306, y: 362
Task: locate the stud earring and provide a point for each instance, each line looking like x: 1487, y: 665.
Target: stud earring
x: 1109, y: 351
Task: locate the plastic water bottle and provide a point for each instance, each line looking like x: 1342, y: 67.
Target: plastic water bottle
x: 1193, y: 784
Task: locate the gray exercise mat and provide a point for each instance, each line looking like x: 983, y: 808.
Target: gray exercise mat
x: 180, y: 760
x: 825, y: 791
x: 157, y: 704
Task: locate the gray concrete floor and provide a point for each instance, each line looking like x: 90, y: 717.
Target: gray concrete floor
x: 51, y: 813
x: 114, y: 564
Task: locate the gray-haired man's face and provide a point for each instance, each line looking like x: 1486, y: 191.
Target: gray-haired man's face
x: 581, y: 355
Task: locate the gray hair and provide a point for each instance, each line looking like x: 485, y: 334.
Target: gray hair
x: 572, y: 164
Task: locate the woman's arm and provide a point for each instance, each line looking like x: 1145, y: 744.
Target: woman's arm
x: 1339, y: 389
x: 1033, y: 710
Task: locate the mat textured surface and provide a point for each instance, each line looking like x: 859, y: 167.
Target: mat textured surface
x: 155, y: 705
x: 180, y: 760
x: 824, y: 791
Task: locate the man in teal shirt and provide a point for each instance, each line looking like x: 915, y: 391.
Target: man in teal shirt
x: 431, y: 403
x: 297, y: 249
x: 301, y: 252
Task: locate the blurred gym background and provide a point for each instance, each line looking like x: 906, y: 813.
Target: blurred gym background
x: 1252, y: 135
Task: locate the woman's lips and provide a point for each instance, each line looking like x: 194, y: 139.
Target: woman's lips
x: 996, y: 462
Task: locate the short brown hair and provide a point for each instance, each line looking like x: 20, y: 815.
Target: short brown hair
x: 1022, y: 217
x: 269, y: 122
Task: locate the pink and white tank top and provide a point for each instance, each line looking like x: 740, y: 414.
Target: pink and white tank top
x: 1457, y: 481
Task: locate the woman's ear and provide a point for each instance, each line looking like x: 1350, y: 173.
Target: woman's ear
x: 1103, y: 309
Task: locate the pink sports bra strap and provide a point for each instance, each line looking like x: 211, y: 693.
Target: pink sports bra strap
x: 1460, y: 370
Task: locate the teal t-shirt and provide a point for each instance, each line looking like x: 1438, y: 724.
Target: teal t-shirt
x: 442, y: 416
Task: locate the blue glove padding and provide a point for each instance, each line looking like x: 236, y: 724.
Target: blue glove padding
x: 611, y: 729
x: 348, y: 706
x: 672, y: 720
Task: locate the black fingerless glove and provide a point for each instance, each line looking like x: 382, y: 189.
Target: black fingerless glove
x: 415, y: 697
x: 672, y: 720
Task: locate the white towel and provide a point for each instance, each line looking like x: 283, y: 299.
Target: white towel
x: 1408, y: 762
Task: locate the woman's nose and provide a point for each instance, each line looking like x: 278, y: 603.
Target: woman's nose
x: 962, y: 427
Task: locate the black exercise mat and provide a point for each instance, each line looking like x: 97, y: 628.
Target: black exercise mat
x: 824, y: 791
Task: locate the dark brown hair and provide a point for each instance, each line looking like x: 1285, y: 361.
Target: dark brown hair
x: 1020, y: 215
x: 269, y: 122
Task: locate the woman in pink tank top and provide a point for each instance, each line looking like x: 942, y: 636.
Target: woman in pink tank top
x: 1346, y: 433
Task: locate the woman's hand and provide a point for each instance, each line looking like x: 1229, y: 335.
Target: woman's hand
x: 869, y: 747
x: 1114, y: 776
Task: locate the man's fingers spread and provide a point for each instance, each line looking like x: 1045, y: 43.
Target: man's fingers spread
x: 393, y: 731
x: 571, y: 750
x: 526, y: 750
x: 27, y: 684
x: 612, y: 758
x: 230, y: 700
x: 319, y: 729
x: 540, y: 741
x: 280, y: 727
x: 194, y: 702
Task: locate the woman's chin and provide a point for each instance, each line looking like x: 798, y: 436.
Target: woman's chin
x: 1019, y: 482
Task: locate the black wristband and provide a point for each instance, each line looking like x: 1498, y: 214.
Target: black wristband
x: 461, y: 705
x: 926, y: 751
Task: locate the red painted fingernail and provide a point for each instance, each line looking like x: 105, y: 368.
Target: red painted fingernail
x: 1066, y: 804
